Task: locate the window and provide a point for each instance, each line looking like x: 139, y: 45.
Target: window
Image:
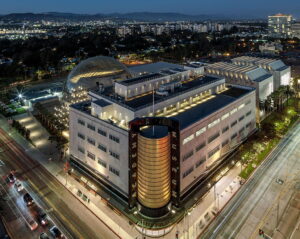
x: 81, y: 122
x: 187, y: 172
x: 80, y: 135
x: 91, y: 141
x: 91, y: 127
x: 248, y: 125
x: 188, y: 139
x: 200, y: 161
x: 225, y: 116
x: 248, y: 102
x: 224, y: 143
x: 248, y: 113
x: 114, y: 171
x: 233, y: 136
x: 213, y: 137
x: 200, y: 146
x: 241, y: 118
x: 241, y: 130
x: 81, y: 150
x: 241, y: 106
x: 187, y: 155
x: 102, y: 147
x: 213, y: 152
x: 102, y: 163
x: 214, y: 123
x: 90, y: 155
x: 233, y: 111
x: 233, y: 123
x: 102, y: 132
x: 200, y: 131
x: 225, y: 129
x: 114, y: 138
x: 115, y: 155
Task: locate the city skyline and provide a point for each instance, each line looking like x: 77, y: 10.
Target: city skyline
x: 216, y: 7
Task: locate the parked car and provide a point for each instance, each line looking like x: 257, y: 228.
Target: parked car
x: 11, y: 178
x: 32, y: 224
x: 18, y: 186
x: 42, y: 217
x: 28, y: 199
x: 44, y: 235
x: 56, y: 233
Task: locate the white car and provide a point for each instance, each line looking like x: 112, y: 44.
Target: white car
x: 18, y: 186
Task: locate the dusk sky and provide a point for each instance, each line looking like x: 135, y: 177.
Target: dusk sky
x: 253, y: 8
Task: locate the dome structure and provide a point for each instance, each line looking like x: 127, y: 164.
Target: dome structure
x: 102, y: 69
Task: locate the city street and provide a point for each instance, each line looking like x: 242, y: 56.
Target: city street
x: 51, y: 194
x: 261, y: 202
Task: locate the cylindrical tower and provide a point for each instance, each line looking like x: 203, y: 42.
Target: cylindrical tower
x: 154, y: 170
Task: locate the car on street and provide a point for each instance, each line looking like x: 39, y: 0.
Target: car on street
x: 18, y: 186
x: 28, y: 199
x: 44, y: 235
x: 42, y: 217
x: 32, y: 224
x: 11, y: 178
x: 56, y: 233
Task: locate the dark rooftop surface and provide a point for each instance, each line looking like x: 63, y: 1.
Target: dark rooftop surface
x: 141, y: 79
x: 204, y: 109
x: 148, y: 99
x: 101, y: 103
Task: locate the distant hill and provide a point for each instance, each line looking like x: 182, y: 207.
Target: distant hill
x: 138, y: 16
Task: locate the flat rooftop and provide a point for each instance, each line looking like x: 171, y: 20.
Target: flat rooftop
x: 154, y: 67
x: 147, y: 100
x: 206, y: 108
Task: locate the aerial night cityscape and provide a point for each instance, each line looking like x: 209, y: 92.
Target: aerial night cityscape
x: 133, y: 119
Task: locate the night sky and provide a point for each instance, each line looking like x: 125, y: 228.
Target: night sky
x: 246, y: 8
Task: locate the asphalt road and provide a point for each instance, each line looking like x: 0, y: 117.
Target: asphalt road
x: 244, y: 214
x: 47, y: 191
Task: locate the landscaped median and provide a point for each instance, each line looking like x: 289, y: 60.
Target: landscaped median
x: 272, y: 129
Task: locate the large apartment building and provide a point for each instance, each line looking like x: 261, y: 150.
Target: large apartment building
x: 280, y: 25
x: 150, y: 139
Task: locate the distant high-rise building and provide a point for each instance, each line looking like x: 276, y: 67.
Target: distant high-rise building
x: 280, y: 25
x: 296, y: 29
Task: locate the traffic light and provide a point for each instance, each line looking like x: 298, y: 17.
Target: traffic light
x: 261, y: 232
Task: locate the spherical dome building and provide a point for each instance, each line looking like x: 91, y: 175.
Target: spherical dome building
x: 99, y: 69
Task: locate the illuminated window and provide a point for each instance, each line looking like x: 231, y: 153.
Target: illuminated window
x: 225, y: 116
x: 241, y: 106
x: 188, y: 139
x: 214, y: 123
x: 233, y: 111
